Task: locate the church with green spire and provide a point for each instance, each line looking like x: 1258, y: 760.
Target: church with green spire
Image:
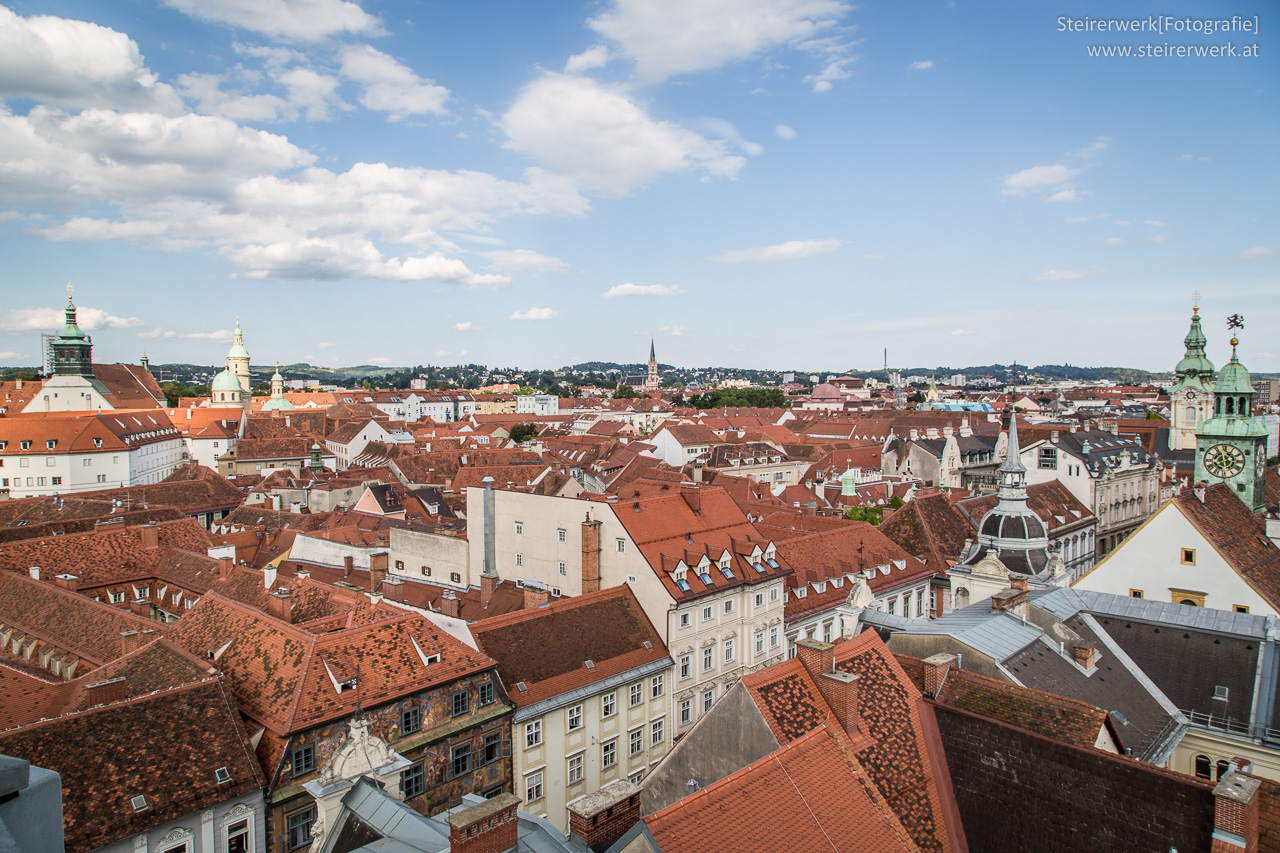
x: 1231, y: 445
x: 1191, y: 397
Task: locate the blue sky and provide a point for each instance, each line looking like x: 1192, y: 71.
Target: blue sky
x: 763, y: 183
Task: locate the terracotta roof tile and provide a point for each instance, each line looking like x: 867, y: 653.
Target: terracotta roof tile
x: 1239, y: 535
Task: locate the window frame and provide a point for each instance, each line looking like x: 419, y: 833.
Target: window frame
x: 488, y: 694
x: 415, y: 773
x: 609, y: 753
x: 465, y: 752
x: 657, y: 731
x: 410, y: 720
x: 293, y: 825
x: 635, y: 695
x: 635, y: 741
x: 574, y: 722
x: 534, y: 783
x: 492, y: 739
x: 658, y: 686
x: 463, y: 698
x: 302, y: 760
x: 533, y: 734
x: 570, y: 769
x: 608, y: 704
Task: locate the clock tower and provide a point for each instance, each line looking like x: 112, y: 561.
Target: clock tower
x: 1231, y: 447
x: 1191, y: 397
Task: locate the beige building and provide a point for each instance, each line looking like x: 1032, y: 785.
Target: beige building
x: 591, y: 679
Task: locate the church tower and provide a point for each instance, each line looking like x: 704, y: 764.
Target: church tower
x: 238, y: 360
x: 1191, y: 397
x: 231, y: 386
x: 72, y: 349
x: 651, y: 382
x: 1231, y: 446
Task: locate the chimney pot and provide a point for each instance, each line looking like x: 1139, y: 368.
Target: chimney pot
x: 280, y: 604
x: 936, y: 668
x: 1085, y: 654
x: 1235, y: 812
x: 35, y: 573
x: 450, y: 605
x: 106, y: 692
x: 489, y: 827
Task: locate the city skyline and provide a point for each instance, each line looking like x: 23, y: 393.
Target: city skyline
x: 387, y: 183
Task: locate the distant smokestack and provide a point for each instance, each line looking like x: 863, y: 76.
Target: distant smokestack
x: 490, y: 547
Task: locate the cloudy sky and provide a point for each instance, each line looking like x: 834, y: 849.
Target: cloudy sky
x: 766, y: 183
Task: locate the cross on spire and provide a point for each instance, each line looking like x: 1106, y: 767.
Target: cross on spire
x: 69, y: 290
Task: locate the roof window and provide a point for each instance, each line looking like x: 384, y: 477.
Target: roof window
x: 139, y: 803
x: 222, y: 775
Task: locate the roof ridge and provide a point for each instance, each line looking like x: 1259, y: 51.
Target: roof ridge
x: 132, y: 700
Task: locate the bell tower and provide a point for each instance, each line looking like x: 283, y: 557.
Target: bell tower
x: 1191, y: 397
x: 1231, y: 446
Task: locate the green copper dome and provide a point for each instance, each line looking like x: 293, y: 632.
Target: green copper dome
x: 1195, y: 361
x: 225, y: 381
x: 71, y: 332
x: 277, y: 404
x: 1234, y: 378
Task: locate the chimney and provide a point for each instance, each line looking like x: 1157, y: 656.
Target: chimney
x: 140, y: 607
x: 35, y: 573
x: 817, y: 657
x: 1053, y: 437
x: 225, y: 565
x: 697, y: 472
x: 1018, y: 582
x: 379, y: 565
x: 450, y: 605
x: 348, y: 563
x: 489, y: 827
x: 1235, y: 813
x: 692, y: 496
x: 936, y: 668
x: 490, y: 548
x: 602, y: 818
x: 150, y: 537
x: 189, y: 413
x: 1012, y: 601
x: 280, y: 605
x: 536, y: 595
x: 1198, y: 489
x: 129, y: 640
x: 105, y: 692
x: 914, y: 434
x: 70, y: 582
x: 1085, y: 654
x: 590, y: 555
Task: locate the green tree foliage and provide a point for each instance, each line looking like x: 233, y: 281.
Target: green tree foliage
x: 173, y: 391
x: 740, y: 398
x: 524, y: 432
x: 895, y: 502
x: 625, y: 392
x: 869, y: 514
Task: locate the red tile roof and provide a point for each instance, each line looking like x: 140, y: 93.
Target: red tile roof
x: 106, y: 555
x: 1239, y: 535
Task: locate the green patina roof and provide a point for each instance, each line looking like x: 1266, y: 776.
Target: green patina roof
x: 1234, y: 378
x: 225, y: 381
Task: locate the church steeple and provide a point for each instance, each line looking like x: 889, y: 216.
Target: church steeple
x: 652, y: 382
x: 72, y: 349
x: 1189, y: 397
x: 1231, y: 447
x: 1013, y: 474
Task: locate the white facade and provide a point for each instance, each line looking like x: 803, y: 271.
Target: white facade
x: 45, y: 471
x: 667, y: 448
x: 1168, y: 559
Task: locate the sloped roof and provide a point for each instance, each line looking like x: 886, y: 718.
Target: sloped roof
x: 931, y: 527
x: 1239, y: 535
x: 104, y: 555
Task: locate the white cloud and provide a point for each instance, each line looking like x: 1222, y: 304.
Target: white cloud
x: 291, y: 20
x: 1255, y: 253
x: 668, y: 37
x: 314, y: 93
x: 324, y: 345
x: 921, y: 65
x: 463, y: 326
x: 535, y: 314
x: 211, y: 99
x: 1038, y: 178
x: 604, y: 138
x: 377, y: 359
x: 1067, y: 193
x: 52, y: 319
x: 643, y: 290
x: 837, y: 69
x: 674, y: 331
x: 1064, y: 275
x: 789, y: 251
x: 9, y: 355
x: 77, y: 64
x: 594, y: 57
x: 390, y: 87
x: 350, y: 257
x: 1094, y: 148
x: 726, y: 131
x: 959, y: 332
x: 1114, y: 241
x: 220, y: 336
x: 524, y: 260
x: 786, y: 132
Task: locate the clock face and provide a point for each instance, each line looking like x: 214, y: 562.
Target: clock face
x: 1224, y: 460
x: 1191, y: 394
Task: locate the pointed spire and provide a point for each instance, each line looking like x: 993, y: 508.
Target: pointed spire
x: 652, y: 357
x: 1013, y: 460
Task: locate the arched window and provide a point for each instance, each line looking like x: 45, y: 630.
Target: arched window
x: 1191, y: 416
x: 962, y: 598
x: 1222, y: 768
x: 1202, y: 766
x: 1190, y: 603
x: 1231, y: 405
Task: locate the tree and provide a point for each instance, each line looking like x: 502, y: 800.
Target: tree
x: 625, y: 392
x: 523, y: 432
x: 870, y: 515
x: 895, y: 502
x: 524, y: 391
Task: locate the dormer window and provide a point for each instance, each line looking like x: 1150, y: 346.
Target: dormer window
x: 51, y: 444
x: 97, y: 442
x: 25, y: 445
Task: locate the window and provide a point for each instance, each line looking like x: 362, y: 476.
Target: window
x: 826, y: 626
x: 575, y: 769
x: 685, y: 665
x: 1135, y: 593
x: 708, y: 658
x: 238, y: 837
x: 657, y: 685
x: 575, y: 718
x: 609, y: 753
x: 399, y: 565
x: 298, y: 827
x: 519, y: 559
x: 773, y: 637
x: 492, y: 747
x: 1240, y: 608
x: 759, y: 599
x: 455, y: 577
x: 636, y: 778
x: 686, y: 711
x: 637, y: 694
x: 684, y: 620
x: 461, y: 703
x: 533, y: 734
x: 706, y: 613
x: 920, y: 603
x: 892, y: 605
x: 708, y: 697
x: 1222, y: 767
x: 728, y: 605
x: 728, y: 651
x: 304, y: 760
x: 413, y: 781
x: 519, y: 528
x: 562, y: 535
x: 773, y: 594
x: 562, y: 568
x: 410, y: 720
x: 621, y: 545
x: 608, y: 704
x: 25, y: 445
x: 637, y: 741
x: 1049, y: 457
x: 759, y: 643
x: 1188, y: 556
x: 487, y: 694
x: 460, y: 761
x: 657, y: 731
x: 533, y: 787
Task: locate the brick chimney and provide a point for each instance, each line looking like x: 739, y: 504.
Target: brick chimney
x: 590, y: 555
x: 489, y: 827
x: 1235, y: 814
x: 602, y: 818
x: 1085, y: 654
x: 450, y: 605
x: 816, y: 656
x: 105, y: 692
x: 1018, y: 582
x: 936, y: 668
x: 692, y: 496
x: 488, y: 584
x: 140, y: 607
x: 841, y: 690
x: 536, y: 595
x: 150, y: 536
x: 70, y: 582
x: 129, y: 640
x: 348, y: 563
x: 225, y: 567
x: 379, y: 565
x: 1011, y: 600
x: 280, y: 604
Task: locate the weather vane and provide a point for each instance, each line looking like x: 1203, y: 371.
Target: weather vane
x: 1195, y: 299
x: 1235, y: 321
